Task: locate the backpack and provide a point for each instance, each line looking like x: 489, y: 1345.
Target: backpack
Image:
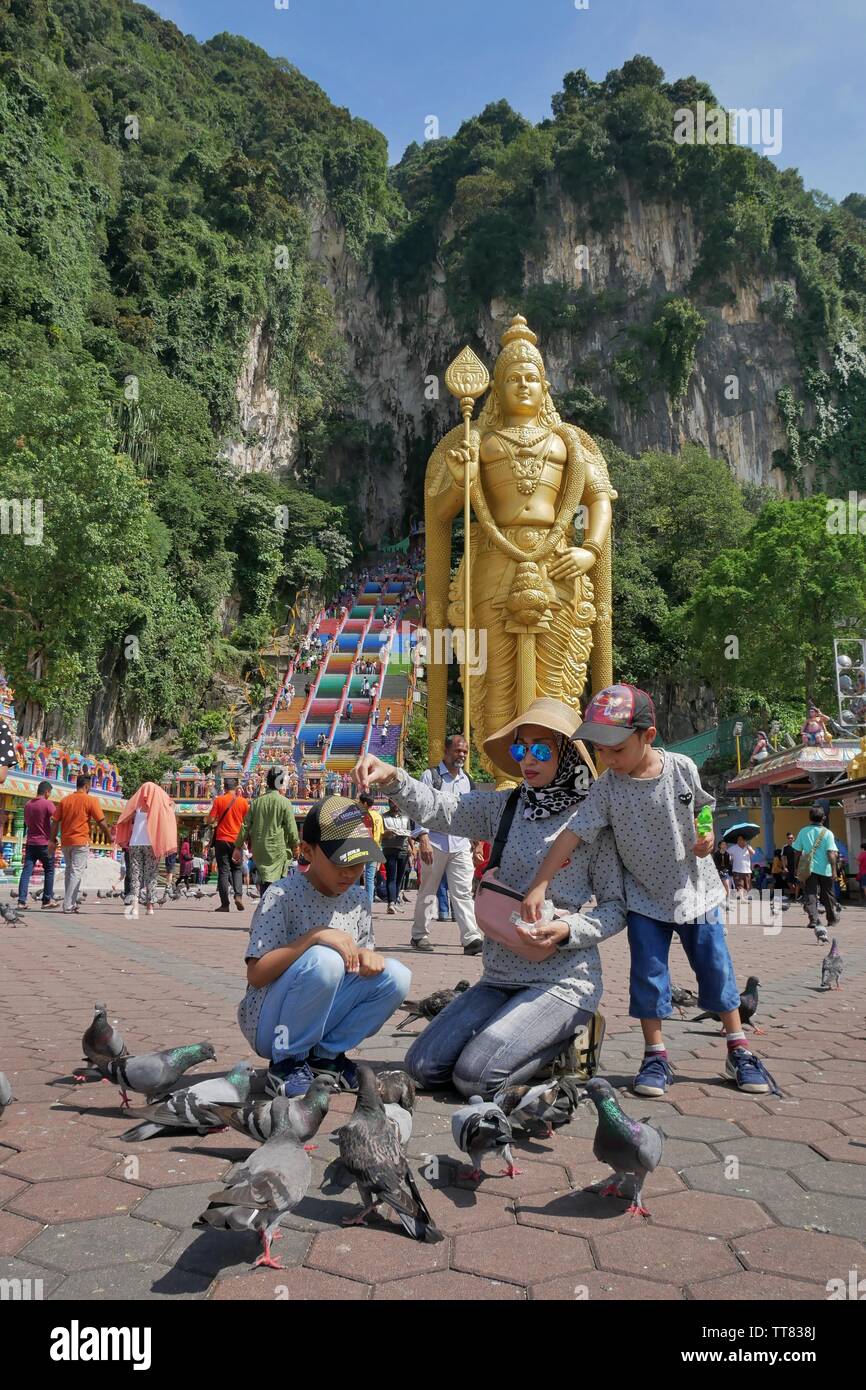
x: 581, y: 1055
x: 436, y: 777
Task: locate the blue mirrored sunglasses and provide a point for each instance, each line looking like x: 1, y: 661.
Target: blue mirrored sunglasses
x: 541, y: 752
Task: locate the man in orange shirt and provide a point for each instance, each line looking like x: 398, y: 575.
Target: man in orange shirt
x: 227, y: 816
x: 73, y: 817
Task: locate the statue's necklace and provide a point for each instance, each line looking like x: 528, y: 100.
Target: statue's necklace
x: 526, y: 465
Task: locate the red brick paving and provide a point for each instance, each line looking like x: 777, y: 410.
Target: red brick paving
x: 94, y: 1213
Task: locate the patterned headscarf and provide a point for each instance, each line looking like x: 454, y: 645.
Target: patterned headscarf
x: 564, y: 792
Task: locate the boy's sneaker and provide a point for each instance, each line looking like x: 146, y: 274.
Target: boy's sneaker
x: 342, y: 1072
x: 654, y: 1076
x: 749, y: 1072
x: 291, y: 1077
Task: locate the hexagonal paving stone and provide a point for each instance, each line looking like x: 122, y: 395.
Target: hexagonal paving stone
x: 659, y: 1252
x: 757, y: 1183
x: 822, y: 1211
x: 41, y: 1127
x: 535, y: 1255
x: 221, y: 1254
x: 376, y: 1253
x: 798, y: 1128
x: 111, y: 1240
x: 15, y: 1232
x: 749, y: 1287
x: 175, y: 1206
x: 172, y: 1168
x: 131, y: 1282
x: 448, y: 1285
x: 854, y: 1125
x: 43, y: 1165
x: 849, y: 1179
x: 711, y: 1213
x: 76, y: 1199
x: 806, y: 1108
x: 799, y: 1254
x: 11, y: 1268
x: 584, y: 1214
x: 601, y: 1284
x: 842, y: 1150
x: 291, y: 1286
x: 455, y: 1209
x: 533, y: 1177
x: 767, y: 1153
x: 701, y: 1127
x: 9, y: 1186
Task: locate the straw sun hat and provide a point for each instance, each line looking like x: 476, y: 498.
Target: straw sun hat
x: 550, y: 714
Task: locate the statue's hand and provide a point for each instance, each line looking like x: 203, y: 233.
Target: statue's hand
x: 571, y: 563
x: 457, y: 460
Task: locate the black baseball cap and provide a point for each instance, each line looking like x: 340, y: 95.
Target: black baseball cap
x: 337, y: 825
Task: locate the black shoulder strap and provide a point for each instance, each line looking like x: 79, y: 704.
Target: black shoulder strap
x: 436, y: 778
x: 503, y: 828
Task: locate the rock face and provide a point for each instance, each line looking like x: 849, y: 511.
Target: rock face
x: 399, y: 359
x: 267, y: 437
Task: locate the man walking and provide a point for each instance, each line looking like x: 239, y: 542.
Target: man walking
x: 271, y: 830
x: 226, y: 815
x: 448, y: 856
x: 73, y: 817
x: 38, y: 815
x: 817, y: 840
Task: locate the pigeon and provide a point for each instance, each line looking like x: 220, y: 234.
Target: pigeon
x: 396, y: 1088
x: 432, y: 1004
x: 101, y: 1043
x: 831, y: 967
x: 370, y: 1150
x: 10, y: 915
x: 630, y: 1147
x: 6, y: 1096
x: 194, y: 1106
x: 477, y: 1129
x: 539, y: 1109
x: 255, y: 1116
x: 259, y: 1192
x: 748, y: 1006
x: 683, y: 998
x: 154, y: 1073
x: 402, y: 1119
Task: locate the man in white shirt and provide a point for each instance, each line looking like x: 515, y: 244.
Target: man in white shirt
x: 448, y: 855
x: 742, y: 855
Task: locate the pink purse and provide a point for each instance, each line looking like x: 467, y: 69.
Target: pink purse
x: 495, y: 902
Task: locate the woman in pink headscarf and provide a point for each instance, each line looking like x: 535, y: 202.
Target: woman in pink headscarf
x: 147, y: 830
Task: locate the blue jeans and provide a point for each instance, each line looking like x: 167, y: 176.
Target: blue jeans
x: 315, y: 1004
x: 442, y: 901
x: 492, y: 1034
x: 370, y: 881
x: 37, y: 854
x: 707, y: 952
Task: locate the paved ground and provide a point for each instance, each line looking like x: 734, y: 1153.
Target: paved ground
x: 757, y: 1197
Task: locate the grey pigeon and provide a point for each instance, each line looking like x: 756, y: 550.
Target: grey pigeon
x: 101, y: 1043
x: 481, y: 1127
x: 831, y: 967
x: 539, y: 1109
x: 255, y: 1116
x: 10, y: 915
x: 371, y: 1151
x: 683, y: 998
x: 194, y: 1106
x: 432, y: 1004
x: 6, y: 1096
x: 154, y: 1073
x: 402, y: 1119
x: 630, y: 1147
x: 259, y: 1192
x: 748, y: 1006
x: 396, y: 1088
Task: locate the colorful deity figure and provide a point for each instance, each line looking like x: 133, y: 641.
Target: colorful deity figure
x: 540, y: 550
x: 761, y: 749
x: 814, y: 731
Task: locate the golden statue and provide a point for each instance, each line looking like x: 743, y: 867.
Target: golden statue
x: 857, y: 766
x: 540, y: 599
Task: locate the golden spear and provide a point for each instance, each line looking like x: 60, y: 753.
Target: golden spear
x: 467, y: 378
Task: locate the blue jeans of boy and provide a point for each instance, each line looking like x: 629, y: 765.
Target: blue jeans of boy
x: 707, y: 952
x: 315, y: 1004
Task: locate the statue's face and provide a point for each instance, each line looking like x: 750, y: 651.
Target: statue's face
x: 522, y: 390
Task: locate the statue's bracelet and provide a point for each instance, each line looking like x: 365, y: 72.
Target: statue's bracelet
x: 592, y: 547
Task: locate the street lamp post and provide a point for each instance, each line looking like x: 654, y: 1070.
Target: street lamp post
x: 738, y: 730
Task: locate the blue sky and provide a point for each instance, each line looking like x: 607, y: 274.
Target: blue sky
x: 396, y: 62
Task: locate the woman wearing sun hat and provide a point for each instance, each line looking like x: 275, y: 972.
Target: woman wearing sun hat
x: 526, y: 1007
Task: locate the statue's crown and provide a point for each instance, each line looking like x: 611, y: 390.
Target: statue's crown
x: 518, y: 329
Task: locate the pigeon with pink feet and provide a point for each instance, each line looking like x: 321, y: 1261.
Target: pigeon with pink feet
x: 632, y: 1148
x: 101, y: 1043
x: 479, y: 1128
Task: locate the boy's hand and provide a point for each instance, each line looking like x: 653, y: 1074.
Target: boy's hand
x: 530, y: 908
x: 704, y: 844
x: 345, y: 945
x: 370, y: 962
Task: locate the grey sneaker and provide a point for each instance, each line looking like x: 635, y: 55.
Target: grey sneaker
x: 421, y: 943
